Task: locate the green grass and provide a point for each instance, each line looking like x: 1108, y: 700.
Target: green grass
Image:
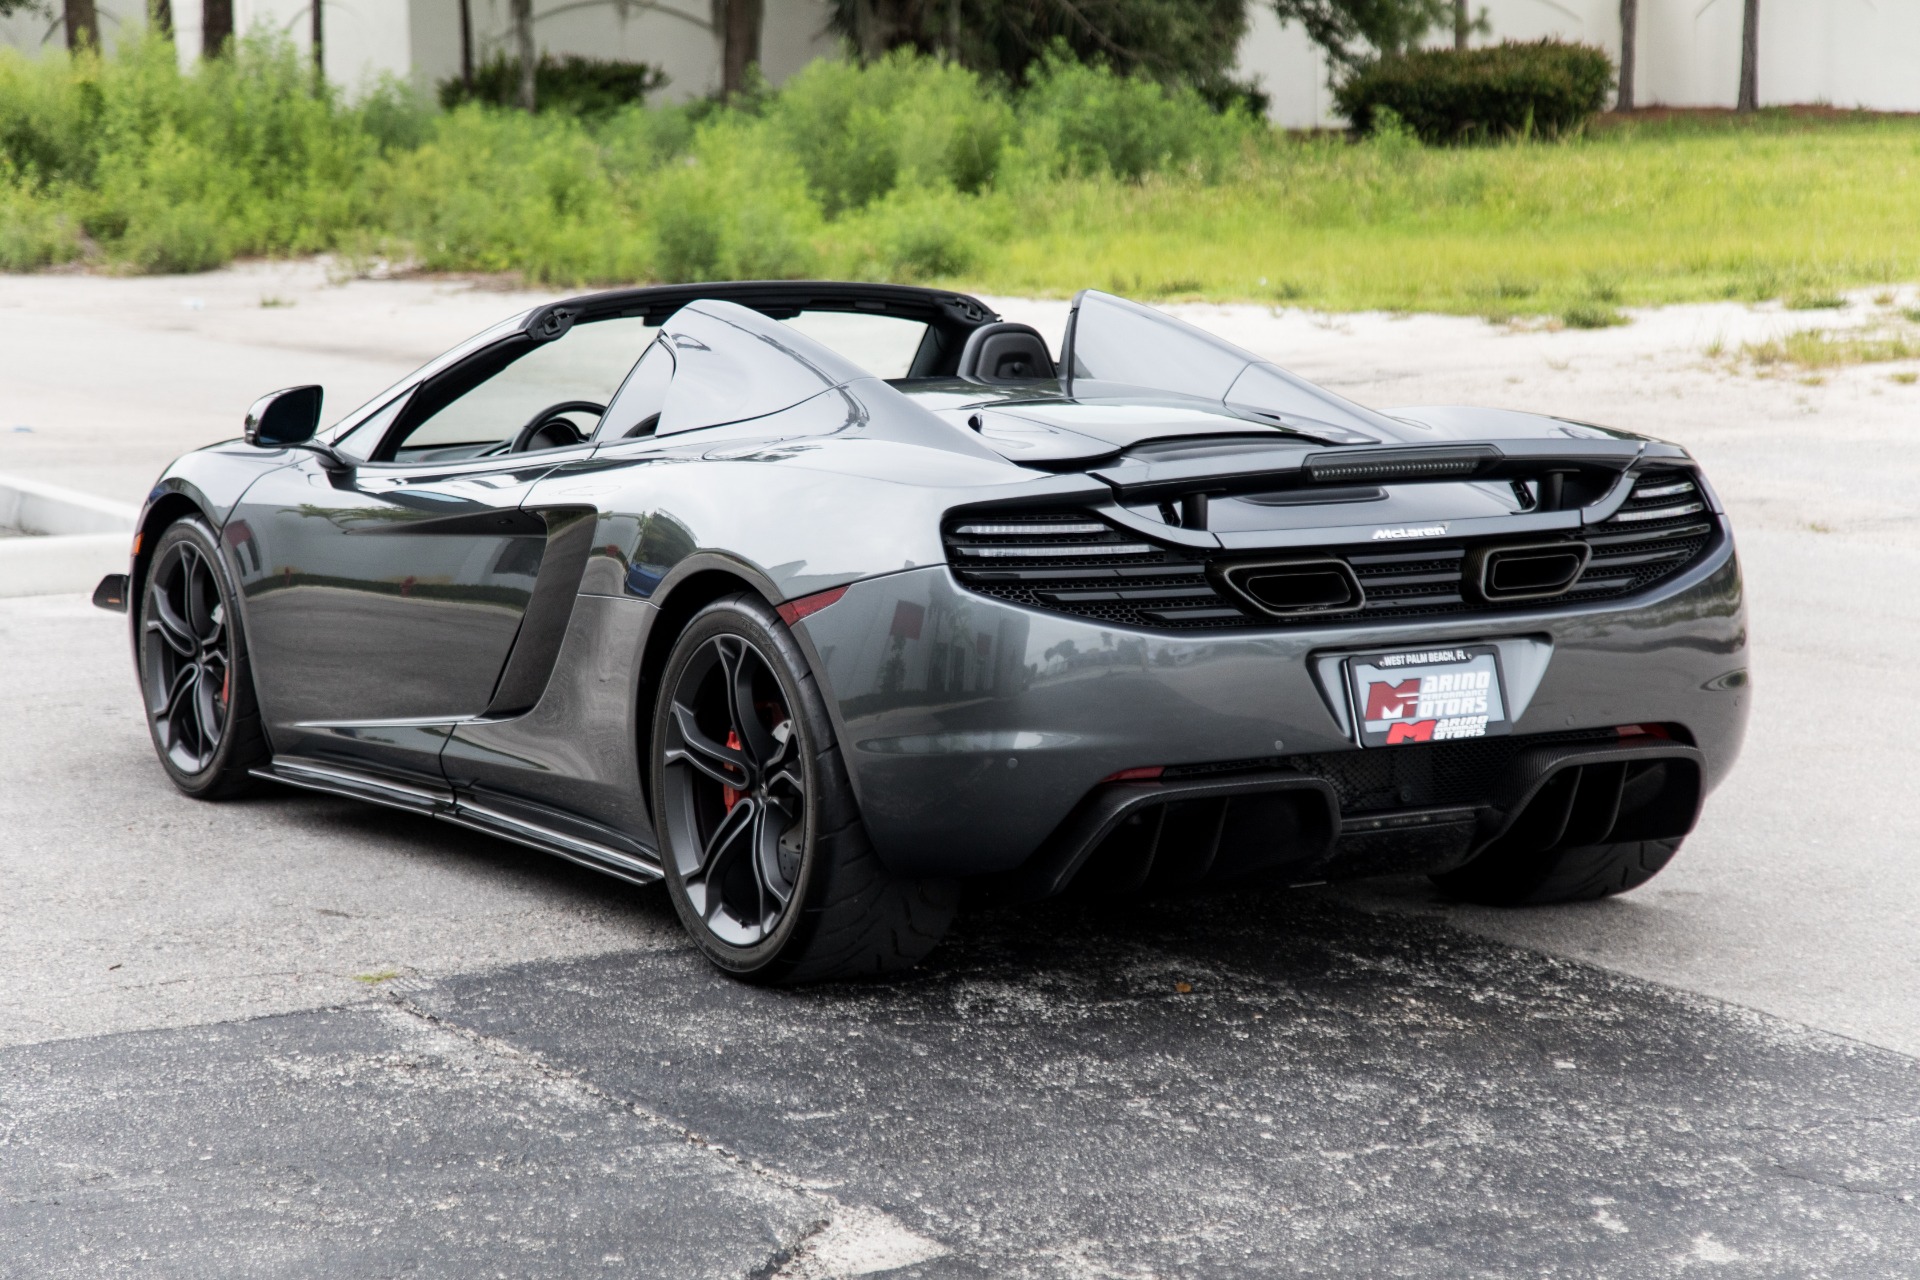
x: 1815, y: 349
x: 1673, y: 217
x: 916, y: 171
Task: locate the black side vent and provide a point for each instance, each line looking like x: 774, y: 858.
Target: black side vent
x: 1074, y: 562
x: 1664, y: 525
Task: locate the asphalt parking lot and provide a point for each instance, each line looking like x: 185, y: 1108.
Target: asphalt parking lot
x: 292, y: 1035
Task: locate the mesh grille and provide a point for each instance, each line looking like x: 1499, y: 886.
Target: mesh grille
x: 1075, y: 563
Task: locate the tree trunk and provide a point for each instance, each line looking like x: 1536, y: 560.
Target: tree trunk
x: 739, y: 43
x: 1461, y: 24
x: 1629, y: 39
x: 523, y: 43
x: 216, y: 27
x: 866, y: 31
x: 160, y: 17
x: 83, y: 24
x: 319, y: 46
x: 466, y: 45
x: 1749, y: 99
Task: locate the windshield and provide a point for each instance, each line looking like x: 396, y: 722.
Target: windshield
x: 1117, y: 348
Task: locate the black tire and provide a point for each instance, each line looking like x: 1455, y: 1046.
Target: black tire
x: 810, y: 900
x: 1511, y: 879
x: 194, y: 669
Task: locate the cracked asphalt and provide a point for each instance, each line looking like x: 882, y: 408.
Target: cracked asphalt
x: 298, y: 1036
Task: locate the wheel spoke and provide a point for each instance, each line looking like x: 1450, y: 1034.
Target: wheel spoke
x: 178, y: 691
x: 203, y: 599
x: 738, y: 663
x: 721, y: 763
x: 721, y: 847
x: 171, y: 626
x: 206, y: 716
x: 766, y: 859
x: 790, y: 778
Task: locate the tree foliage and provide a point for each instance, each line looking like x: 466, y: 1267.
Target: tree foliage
x: 1186, y: 42
x: 1189, y: 42
x: 1352, y: 31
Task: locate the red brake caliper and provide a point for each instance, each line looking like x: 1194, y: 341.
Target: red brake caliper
x: 730, y: 796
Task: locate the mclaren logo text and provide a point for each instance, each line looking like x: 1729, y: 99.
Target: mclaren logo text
x: 1410, y: 531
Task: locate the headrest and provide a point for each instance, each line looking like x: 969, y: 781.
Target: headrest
x: 1005, y: 353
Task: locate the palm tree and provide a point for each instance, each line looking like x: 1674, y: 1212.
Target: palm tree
x: 216, y: 27
x: 739, y: 22
x: 522, y: 12
x: 1629, y: 33
x: 319, y: 46
x: 466, y: 44
x: 1749, y: 99
x: 83, y: 24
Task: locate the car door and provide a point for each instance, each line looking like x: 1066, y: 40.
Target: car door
x: 389, y: 582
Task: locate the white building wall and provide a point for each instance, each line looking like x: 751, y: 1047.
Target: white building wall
x: 1848, y: 53
x: 676, y: 36
x: 419, y: 40
x: 1282, y: 63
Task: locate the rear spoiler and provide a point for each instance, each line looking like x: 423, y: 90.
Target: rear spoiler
x: 1195, y: 465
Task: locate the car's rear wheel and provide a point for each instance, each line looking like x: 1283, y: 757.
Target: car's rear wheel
x: 194, y: 668
x: 765, y: 855
x: 1580, y: 874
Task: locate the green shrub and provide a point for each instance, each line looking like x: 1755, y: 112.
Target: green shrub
x: 34, y: 232
x: 735, y: 207
x: 857, y: 131
x: 576, y: 85
x: 1084, y: 120
x: 915, y: 235
x: 1546, y: 88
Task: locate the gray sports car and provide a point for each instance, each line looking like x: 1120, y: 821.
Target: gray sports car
x: 829, y: 602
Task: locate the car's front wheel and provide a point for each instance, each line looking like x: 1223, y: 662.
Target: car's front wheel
x: 766, y: 859
x: 194, y: 667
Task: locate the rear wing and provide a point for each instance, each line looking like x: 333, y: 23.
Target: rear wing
x: 1555, y: 475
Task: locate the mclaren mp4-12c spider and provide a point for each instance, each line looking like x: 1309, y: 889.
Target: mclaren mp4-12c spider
x: 829, y: 604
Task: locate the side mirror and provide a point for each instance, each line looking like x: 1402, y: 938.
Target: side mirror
x: 283, y: 418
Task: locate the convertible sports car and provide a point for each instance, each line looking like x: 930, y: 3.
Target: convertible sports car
x: 666, y: 582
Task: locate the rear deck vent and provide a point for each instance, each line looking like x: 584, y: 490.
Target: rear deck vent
x: 1074, y: 562
x: 1663, y: 526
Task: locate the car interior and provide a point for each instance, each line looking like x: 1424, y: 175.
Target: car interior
x: 605, y: 376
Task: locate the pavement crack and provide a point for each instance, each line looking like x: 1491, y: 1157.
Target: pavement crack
x: 838, y: 1229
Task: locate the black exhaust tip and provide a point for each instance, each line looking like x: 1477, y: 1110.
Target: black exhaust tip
x: 1290, y: 588
x: 1538, y: 571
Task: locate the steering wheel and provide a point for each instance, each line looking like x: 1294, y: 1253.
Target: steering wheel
x: 548, y: 430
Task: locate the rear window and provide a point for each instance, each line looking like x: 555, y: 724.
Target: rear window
x: 882, y: 345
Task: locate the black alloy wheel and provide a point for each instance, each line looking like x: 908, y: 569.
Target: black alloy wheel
x: 193, y: 670
x: 735, y: 791
x: 766, y: 859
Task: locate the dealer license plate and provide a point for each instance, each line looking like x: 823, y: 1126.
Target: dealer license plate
x: 1427, y: 695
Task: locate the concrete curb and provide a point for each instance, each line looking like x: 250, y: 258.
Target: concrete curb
x: 77, y: 538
